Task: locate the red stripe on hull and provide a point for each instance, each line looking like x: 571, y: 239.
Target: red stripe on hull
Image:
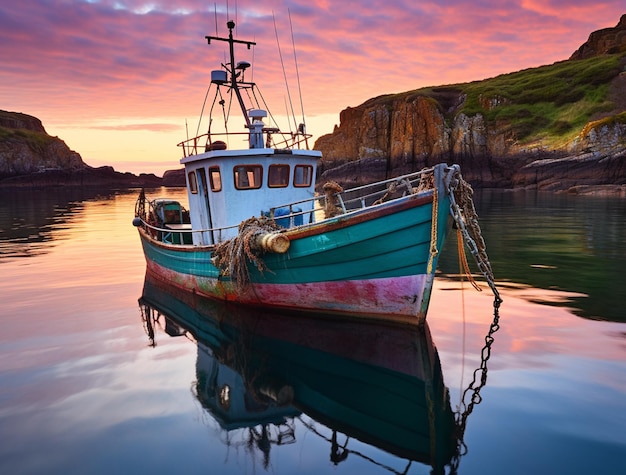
x: 397, y: 298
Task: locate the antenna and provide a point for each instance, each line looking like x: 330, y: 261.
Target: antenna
x: 253, y: 68
x: 215, y: 13
x: 232, y: 65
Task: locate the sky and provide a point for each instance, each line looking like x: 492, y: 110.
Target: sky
x: 123, y: 81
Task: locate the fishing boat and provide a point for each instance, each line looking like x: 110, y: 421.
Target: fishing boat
x: 260, y: 377
x: 260, y: 230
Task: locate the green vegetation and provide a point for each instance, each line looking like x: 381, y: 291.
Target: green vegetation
x: 555, y: 100
x: 549, y: 103
x: 32, y: 133
x: 35, y: 140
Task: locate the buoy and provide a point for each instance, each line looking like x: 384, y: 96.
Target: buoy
x: 273, y: 242
x: 137, y: 221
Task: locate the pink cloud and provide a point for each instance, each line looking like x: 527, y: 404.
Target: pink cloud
x: 136, y: 127
x: 74, y: 60
x: 525, y: 313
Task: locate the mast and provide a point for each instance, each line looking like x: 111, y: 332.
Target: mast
x: 233, y: 77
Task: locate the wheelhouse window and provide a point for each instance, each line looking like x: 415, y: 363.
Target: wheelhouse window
x: 303, y: 175
x: 215, y: 178
x: 248, y: 177
x: 193, y: 182
x: 278, y: 176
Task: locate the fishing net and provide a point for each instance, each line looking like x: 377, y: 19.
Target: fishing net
x: 231, y: 256
x: 331, y: 203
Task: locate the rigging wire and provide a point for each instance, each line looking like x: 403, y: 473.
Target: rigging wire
x: 295, y: 59
x: 230, y: 106
x: 209, y: 88
x: 271, y: 116
x: 282, y: 63
x: 310, y: 425
x: 202, y: 110
x: 252, y: 98
x: 221, y: 102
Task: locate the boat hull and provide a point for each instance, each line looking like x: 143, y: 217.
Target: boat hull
x: 380, y: 383
x: 378, y: 262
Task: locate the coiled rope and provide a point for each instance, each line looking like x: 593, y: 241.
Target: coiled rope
x: 231, y: 256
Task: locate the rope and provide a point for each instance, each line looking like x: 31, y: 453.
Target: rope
x: 433, y: 233
x: 463, y: 261
x: 391, y: 189
x: 231, y: 256
x: 466, y: 219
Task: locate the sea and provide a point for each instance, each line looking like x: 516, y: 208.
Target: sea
x: 104, y: 370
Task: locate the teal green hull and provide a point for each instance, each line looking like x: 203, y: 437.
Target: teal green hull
x: 392, y: 245
x: 375, y: 262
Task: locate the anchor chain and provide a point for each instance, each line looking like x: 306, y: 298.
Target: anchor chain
x: 466, y: 219
x: 471, y: 395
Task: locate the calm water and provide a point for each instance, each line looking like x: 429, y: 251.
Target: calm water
x: 102, y: 371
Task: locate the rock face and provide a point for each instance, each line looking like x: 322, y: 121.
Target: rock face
x: 381, y: 143
x: 605, y: 41
x: 410, y: 134
x: 175, y: 178
x: 25, y: 147
x: 392, y: 135
x: 597, y: 158
x: 29, y: 157
x: 16, y: 120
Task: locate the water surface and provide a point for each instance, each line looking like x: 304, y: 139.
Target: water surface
x: 94, y: 381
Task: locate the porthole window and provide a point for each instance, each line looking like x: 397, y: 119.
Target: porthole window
x: 215, y: 179
x: 193, y: 182
x: 278, y: 176
x: 248, y: 177
x: 303, y: 175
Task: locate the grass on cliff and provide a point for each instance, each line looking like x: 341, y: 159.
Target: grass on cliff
x: 35, y: 140
x: 549, y: 103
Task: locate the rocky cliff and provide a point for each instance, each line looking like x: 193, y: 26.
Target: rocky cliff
x: 29, y: 157
x: 25, y: 147
x: 605, y: 41
x: 555, y: 127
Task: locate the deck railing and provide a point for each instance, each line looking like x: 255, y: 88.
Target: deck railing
x: 310, y: 210
x: 168, y: 235
x: 362, y: 196
x: 219, y: 141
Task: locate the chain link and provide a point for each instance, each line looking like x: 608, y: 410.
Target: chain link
x: 466, y: 219
x: 471, y: 395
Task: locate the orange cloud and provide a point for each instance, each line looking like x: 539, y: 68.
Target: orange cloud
x: 74, y: 63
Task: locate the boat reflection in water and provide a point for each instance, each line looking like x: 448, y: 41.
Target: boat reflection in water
x: 259, y: 372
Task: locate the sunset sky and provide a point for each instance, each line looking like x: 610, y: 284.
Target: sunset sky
x: 118, y: 79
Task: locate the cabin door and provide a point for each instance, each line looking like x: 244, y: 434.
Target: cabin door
x: 205, y: 210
